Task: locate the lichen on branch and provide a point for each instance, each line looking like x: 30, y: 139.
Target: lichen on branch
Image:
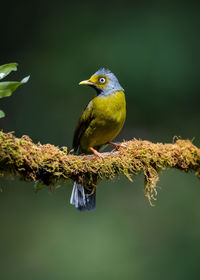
x: 49, y: 164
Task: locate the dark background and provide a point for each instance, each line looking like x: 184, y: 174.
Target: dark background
x: 153, y: 48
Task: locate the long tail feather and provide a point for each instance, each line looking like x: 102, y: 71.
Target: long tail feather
x: 82, y: 199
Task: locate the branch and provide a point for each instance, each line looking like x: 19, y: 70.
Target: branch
x: 49, y: 164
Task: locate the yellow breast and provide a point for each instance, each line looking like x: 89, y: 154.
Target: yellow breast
x: 109, y: 114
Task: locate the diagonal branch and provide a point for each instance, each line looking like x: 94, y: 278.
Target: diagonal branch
x: 49, y: 164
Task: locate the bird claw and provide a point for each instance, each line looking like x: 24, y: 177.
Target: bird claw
x: 117, y: 145
x: 99, y: 155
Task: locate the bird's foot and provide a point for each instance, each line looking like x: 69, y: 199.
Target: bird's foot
x: 96, y: 153
x: 117, y: 145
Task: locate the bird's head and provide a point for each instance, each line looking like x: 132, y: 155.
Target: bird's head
x: 104, y: 81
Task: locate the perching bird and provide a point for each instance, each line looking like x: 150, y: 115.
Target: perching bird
x: 99, y: 124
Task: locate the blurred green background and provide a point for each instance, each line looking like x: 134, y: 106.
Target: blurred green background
x: 153, y: 48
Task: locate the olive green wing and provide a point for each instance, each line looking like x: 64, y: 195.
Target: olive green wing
x: 82, y: 125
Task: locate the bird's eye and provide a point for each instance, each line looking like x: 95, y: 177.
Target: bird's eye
x: 102, y: 80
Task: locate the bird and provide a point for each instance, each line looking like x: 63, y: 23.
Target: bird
x: 100, y: 122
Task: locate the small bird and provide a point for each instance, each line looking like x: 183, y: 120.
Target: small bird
x: 99, y: 124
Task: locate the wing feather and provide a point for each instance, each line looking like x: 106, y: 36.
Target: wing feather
x: 82, y: 125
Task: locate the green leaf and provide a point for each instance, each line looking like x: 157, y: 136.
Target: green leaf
x: 2, y: 114
x: 7, y: 88
x: 6, y: 69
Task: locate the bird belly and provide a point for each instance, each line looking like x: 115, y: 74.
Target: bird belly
x: 99, y: 133
x: 106, y: 125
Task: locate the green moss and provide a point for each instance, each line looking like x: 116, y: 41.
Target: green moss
x: 48, y: 164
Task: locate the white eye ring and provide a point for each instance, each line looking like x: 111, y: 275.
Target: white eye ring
x: 102, y: 80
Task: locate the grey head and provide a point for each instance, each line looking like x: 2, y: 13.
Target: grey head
x: 105, y: 82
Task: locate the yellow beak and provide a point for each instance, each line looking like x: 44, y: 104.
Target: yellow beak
x: 86, y: 82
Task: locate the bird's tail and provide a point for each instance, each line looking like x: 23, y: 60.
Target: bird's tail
x: 82, y: 199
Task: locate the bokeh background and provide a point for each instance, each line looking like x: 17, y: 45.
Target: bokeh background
x: 153, y: 48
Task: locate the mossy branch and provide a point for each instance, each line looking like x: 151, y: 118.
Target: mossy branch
x: 49, y: 164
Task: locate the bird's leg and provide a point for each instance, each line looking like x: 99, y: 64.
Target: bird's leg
x: 117, y: 145
x: 96, y: 153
